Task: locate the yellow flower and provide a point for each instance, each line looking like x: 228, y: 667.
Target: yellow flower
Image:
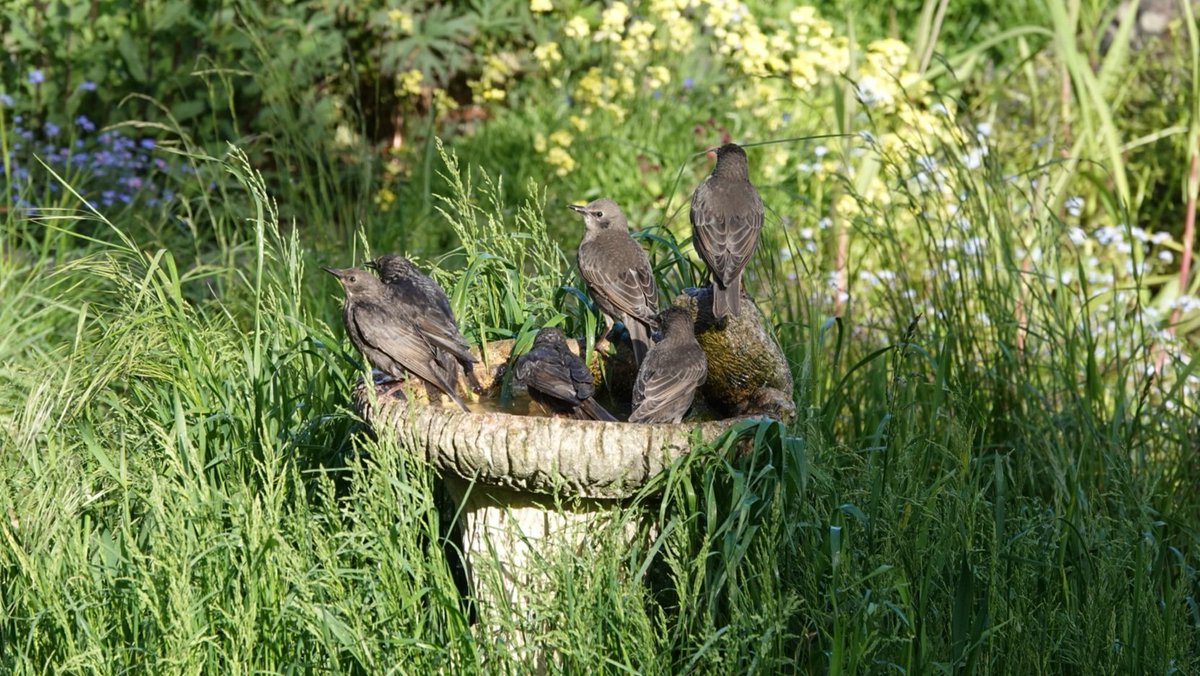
x: 658, y: 77
x: 612, y: 23
x: 539, y: 143
x: 579, y: 123
x: 541, y: 6
x: 443, y: 101
x: 547, y: 54
x: 409, y: 82
x: 562, y: 137
x: 385, y: 197
x: 561, y: 160
x: 402, y: 19
x: 577, y: 27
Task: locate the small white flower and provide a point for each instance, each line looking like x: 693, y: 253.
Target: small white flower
x: 983, y: 129
x: 1074, y: 205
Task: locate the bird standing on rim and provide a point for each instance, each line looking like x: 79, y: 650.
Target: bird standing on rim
x: 727, y: 215
x: 674, y: 369
x: 381, y: 327
x: 428, y: 309
x: 557, y: 379
x: 617, y: 271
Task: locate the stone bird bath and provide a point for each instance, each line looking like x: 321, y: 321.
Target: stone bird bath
x: 527, y: 486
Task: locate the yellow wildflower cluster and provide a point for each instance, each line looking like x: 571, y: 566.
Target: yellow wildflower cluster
x: 402, y: 19
x: 498, y: 69
x: 408, y: 83
x: 541, y: 6
x: 547, y: 54
x: 555, y: 151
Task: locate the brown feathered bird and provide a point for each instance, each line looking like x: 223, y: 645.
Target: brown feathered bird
x: 674, y: 369
x: 618, y: 273
x: 426, y: 305
x: 387, y: 335
x: 557, y: 379
x: 727, y: 216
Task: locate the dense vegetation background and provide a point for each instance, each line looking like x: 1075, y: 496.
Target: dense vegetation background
x: 977, y: 258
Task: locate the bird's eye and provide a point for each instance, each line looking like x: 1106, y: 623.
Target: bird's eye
x: 597, y: 214
x: 353, y: 279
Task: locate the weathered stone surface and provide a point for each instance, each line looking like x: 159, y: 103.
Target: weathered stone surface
x: 534, y: 454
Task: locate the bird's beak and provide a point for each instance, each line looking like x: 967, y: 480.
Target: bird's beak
x: 577, y: 208
x: 333, y: 271
x: 711, y: 153
x: 371, y: 264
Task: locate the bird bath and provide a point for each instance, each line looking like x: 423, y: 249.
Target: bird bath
x: 527, y: 486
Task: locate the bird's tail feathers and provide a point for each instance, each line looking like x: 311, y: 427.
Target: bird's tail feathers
x: 727, y: 300
x: 639, y: 335
x: 590, y: 409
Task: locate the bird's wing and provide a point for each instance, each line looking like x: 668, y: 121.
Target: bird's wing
x: 664, y: 394
x: 628, y: 290
x: 726, y: 238
x: 542, y: 372
x: 581, y: 376
x: 382, y: 331
x: 443, y: 333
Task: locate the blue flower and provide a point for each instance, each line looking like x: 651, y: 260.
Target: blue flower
x: 51, y: 129
x: 84, y: 123
x: 6, y: 99
x: 148, y: 143
x: 688, y: 83
x: 88, y: 86
x: 36, y: 76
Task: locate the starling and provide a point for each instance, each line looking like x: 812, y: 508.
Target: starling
x: 385, y: 330
x: 674, y: 369
x: 617, y: 272
x: 428, y: 309
x: 557, y: 379
x: 727, y: 215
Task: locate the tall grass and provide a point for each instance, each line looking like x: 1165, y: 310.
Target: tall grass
x: 185, y: 490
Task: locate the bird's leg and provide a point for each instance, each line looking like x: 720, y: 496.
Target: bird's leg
x: 391, y: 387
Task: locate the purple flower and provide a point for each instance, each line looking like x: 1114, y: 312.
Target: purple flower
x: 36, y: 76
x: 6, y: 99
x: 84, y: 123
x: 148, y: 143
x: 134, y: 182
x: 51, y: 129
x: 87, y: 86
x: 688, y: 83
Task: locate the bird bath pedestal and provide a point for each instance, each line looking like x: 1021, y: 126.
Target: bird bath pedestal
x: 529, y: 487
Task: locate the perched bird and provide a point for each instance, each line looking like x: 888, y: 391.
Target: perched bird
x: 617, y: 271
x: 386, y: 333
x: 557, y: 379
x: 727, y: 215
x: 426, y: 306
x: 674, y: 369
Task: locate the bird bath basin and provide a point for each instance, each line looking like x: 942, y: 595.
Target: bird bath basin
x: 528, y: 486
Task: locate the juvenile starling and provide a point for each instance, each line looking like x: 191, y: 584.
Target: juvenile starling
x: 428, y: 309
x: 727, y: 215
x: 386, y: 333
x: 557, y: 379
x: 617, y: 272
x: 674, y: 369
